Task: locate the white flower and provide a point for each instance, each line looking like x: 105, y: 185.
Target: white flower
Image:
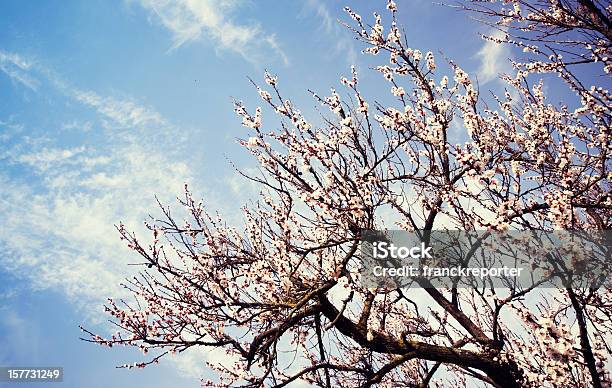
x: 257, y: 120
x: 417, y: 55
x: 461, y: 76
x: 270, y: 80
x: 444, y: 82
x: 265, y: 95
x: 516, y: 167
x: 398, y: 91
x: 346, y: 121
x: 253, y: 142
x: 431, y: 65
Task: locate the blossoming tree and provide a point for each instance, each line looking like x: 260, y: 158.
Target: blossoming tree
x: 280, y: 294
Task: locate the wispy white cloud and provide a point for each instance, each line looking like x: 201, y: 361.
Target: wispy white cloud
x: 46, y: 158
x: 63, y: 237
x: 9, y: 129
x: 275, y: 46
x: 320, y: 9
x: 16, y: 67
x: 193, y: 20
x: 59, y: 214
x: 125, y: 119
x: 60, y: 234
x: 243, y: 189
x: 84, y: 126
x: 494, y: 59
x: 343, y: 43
x: 123, y: 113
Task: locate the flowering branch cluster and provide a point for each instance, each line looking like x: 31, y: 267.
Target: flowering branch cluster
x: 281, y: 295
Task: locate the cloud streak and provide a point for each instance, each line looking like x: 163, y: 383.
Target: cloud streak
x: 494, y: 59
x: 343, y: 43
x: 60, y: 208
x: 16, y: 67
x: 194, y: 20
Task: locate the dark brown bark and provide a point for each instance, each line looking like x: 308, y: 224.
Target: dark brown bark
x: 504, y: 375
x: 585, y: 345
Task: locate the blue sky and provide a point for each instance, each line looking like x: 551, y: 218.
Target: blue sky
x: 108, y: 103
